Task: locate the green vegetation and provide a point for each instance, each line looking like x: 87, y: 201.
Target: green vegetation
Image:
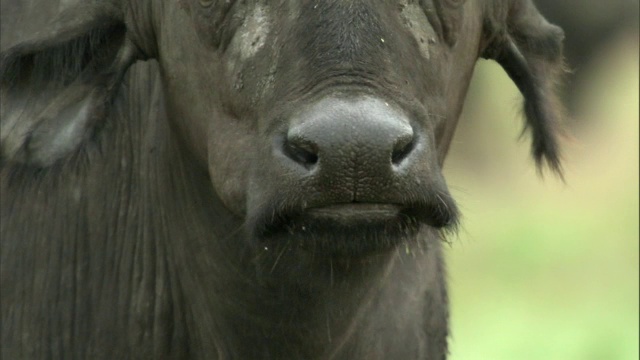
x: 540, y: 269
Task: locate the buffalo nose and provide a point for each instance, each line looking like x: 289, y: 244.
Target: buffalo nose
x: 366, y: 135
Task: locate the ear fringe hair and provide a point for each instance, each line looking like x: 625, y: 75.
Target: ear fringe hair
x: 543, y: 116
x: 537, y: 79
x: 530, y: 50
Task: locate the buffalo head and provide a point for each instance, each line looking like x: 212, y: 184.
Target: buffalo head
x: 322, y: 124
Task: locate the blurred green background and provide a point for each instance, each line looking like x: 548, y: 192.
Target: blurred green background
x: 542, y: 269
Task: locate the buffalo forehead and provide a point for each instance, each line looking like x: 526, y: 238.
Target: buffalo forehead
x: 263, y: 16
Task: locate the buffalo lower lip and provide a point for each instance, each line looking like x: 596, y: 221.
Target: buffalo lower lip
x: 355, y: 212
x: 345, y: 230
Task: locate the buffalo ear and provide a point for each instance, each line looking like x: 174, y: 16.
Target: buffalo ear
x: 530, y: 51
x: 57, y: 85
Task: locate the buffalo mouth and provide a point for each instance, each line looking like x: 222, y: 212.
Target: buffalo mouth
x: 344, y: 230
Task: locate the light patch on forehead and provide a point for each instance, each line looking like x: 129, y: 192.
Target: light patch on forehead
x: 418, y: 24
x: 252, y: 35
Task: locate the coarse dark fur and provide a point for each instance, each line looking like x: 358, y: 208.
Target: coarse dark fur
x: 144, y: 215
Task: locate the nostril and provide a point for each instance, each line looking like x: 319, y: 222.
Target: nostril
x: 301, y: 151
x: 402, y: 149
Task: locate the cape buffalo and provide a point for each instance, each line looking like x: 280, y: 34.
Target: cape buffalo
x: 242, y: 179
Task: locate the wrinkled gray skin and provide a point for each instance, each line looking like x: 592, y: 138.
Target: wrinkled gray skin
x: 242, y: 179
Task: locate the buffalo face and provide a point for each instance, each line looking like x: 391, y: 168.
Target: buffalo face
x: 329, y: 121
x: 323, y: 124
x: 343, y: 110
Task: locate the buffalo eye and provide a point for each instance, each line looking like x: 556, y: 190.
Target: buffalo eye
x: 205, y: 3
